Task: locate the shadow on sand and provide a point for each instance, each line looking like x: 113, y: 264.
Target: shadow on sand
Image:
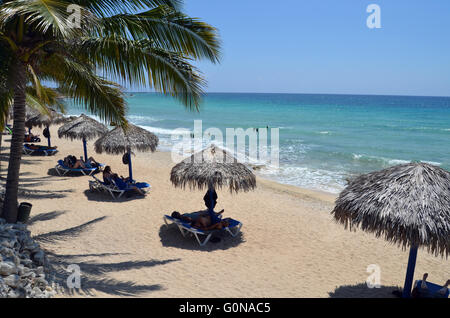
x: 27, y: 187
x: 93, y: 274
x: 66, y: 234
x: 5, y: 158
x: 362, y: 291
x: 106, y: 197
x: 171, y: 237
x: 44, y: 217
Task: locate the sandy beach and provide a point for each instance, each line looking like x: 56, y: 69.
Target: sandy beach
x: 290, y: 245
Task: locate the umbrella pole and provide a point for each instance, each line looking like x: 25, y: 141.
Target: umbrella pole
x: 130, y: 169
x: 85, y: 150
x: 410, y: 272
x: 49, y: 142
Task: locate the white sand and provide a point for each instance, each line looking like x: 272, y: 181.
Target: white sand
x: 290, y: 245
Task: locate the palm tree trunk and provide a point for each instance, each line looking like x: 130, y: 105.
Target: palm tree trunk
x: 18, y: 133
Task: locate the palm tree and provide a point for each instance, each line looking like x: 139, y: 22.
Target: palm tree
x: 147, y: 43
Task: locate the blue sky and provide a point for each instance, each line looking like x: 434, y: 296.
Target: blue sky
x: 295, y: 46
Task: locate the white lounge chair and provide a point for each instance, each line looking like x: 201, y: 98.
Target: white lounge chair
x: 115, y: 191
x: 186, y: 228
x: 97, y: 185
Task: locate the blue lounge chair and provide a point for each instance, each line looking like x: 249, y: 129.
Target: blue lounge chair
x: 122, y: 185
x: 62, y: 169
x: 42, y: 150
x: 233, y: 229
x: 118, y: 188
x: 431, y: 291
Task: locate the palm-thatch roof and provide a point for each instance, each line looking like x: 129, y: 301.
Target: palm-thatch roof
x: 408, y: 204
x: 29, y: 112
x: 45, y: 119
x: 83, y: 127
x: 119, y: 140
x: 213, y: 167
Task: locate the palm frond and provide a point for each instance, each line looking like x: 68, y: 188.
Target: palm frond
x: 168, y: 29
x: 43, y: 16
x: 36, y: 103
x: 143, y: 65
x: 109, y: 7
x: 79, y: 82
x: 49, y: 98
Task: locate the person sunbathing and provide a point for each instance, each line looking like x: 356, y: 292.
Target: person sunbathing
x: 108, y: 175
x: 200, y: 220
x: 201, y: 225
x: 444, y: 289
x: 74, y: 163
x: 424, y: 292
x: 110, y: 178
x: 181, y: 217
x: 37, y: 147
x: 92, y: 163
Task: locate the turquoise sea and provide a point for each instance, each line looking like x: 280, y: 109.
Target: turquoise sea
x: 323, y: 139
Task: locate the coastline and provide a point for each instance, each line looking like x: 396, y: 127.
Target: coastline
x: 316, y: 137
x: 290, y: 245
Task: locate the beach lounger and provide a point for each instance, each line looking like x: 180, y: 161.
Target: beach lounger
x: 432, y: 291
x: 43, y: 150
x: 115, y: 190
x: 233, y: 229
x: 62, y: 169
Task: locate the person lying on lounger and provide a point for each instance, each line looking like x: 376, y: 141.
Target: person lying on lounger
x: 74, y: 163
x: 200, y: 220
x: 113, y: 178
x: 422, y: 291
x: 183, y: 218
x: 108, y: 176
x: 92, y: 163
x: 202, y: 225
x: 37, y: 147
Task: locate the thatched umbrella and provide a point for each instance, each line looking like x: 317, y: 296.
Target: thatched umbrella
x: 120, y: 141
x: 29, y: 112
x: 84, y: 128
x: 39, y: 120
x: 408, y: 205
x: 212, y: 168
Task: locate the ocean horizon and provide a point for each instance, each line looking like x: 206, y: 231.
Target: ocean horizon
x: 324, y: 139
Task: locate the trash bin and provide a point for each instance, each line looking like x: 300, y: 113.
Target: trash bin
x: 24, y: 212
